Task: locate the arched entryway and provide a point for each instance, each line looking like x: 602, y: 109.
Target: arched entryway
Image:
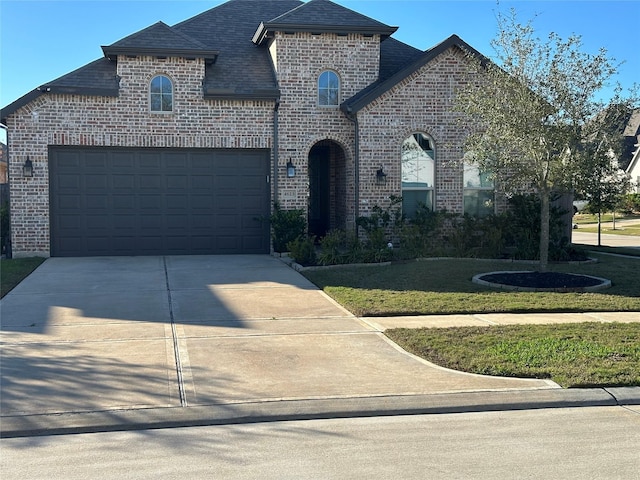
x: 327, y: 188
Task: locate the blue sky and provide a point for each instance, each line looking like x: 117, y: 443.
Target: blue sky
x: 45, y: 39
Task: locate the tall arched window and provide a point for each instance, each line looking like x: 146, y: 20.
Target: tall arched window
x: 418, y: 173
x: 161, y: 94
x: 328, y: 89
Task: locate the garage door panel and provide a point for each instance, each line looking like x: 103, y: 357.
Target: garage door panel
x: 123, y: 182
x: 107, y: 201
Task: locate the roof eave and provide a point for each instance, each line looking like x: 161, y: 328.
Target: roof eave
x: 112, y: 52
x: 230, y: 94
x: 268, y: 29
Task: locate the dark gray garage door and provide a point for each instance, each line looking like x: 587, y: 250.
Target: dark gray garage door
x: 108, y: 201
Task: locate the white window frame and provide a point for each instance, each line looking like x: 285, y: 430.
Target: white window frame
x: 328, y: 90
x: 483, y: 185
x: 162, y: 95
x: 413, y: 146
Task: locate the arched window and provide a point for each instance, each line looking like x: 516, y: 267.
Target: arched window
x: 418, y: 173
x: 328, y: 89
x: 161, y: 94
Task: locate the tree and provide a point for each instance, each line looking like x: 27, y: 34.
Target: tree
x: 598, y: 177
x: 525, y: 111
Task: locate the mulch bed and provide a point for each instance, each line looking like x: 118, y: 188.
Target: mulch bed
x: 541, y: 279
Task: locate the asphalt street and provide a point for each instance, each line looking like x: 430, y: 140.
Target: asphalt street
x: 575, y: 443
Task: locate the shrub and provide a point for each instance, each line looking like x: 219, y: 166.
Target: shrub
x: 303, y: 250
x: 286, y: 226
x: 630, y: 203
x: 421, y: 236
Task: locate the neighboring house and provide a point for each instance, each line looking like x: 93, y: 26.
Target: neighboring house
x: 633, y: 170
x: 3, y: 163
x: 180, y: 139
x: 631, y: 151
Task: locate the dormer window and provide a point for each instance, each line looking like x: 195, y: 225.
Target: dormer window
x: 161, y: 94
x: 328, y: 89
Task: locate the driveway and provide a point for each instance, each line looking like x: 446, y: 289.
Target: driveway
x: 123, y: 333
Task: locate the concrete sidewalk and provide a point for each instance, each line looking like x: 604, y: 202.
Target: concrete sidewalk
x: 109, y: 343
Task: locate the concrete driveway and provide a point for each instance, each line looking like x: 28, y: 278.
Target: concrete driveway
x: 123, y: 333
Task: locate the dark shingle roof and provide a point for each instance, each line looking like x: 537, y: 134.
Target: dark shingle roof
x: 159, y: 39
x: 322, y: 16
x: 96, y: 78
x: 242, y: 68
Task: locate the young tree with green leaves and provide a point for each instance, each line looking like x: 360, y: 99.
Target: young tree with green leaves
x: 598, y: 177
x: 525, y: 111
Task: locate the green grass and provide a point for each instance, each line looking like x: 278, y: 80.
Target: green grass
x: 587, y: 218
x: 572, y: 355
x: 444, y: 287
x: 621, y: 229
x: 13, y: 271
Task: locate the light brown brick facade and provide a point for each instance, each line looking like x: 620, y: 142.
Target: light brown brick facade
x: 123, y: 121
x: 421, y: 102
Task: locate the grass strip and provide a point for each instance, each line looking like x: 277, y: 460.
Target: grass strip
x: 572, y: 355
x: 443, y: 286
x: 13, y: 271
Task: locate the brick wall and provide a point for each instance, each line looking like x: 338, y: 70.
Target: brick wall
x: 422, y: 102
x: 301, y: 58
x: 125, y: 120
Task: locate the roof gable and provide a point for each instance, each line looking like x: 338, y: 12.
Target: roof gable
x: 375, y: 90
x: 159, y: 40
x: 322, y: 16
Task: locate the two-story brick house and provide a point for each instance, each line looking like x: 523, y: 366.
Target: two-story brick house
x: 180, y: 139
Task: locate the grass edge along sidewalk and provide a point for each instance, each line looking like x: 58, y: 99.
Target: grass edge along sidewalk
x: 13, y: 271
x: 587, y: 354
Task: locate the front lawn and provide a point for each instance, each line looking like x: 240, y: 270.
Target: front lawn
x: 444, y: 286
x: 572, y: 355
x: 14, y: 270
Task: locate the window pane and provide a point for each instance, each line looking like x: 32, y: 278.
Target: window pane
x: 155, y: 103
x: 418, y: 164
x: 166, y: 85
x: 156, y: 85
x: 473, y: 177
x: 167, y: 103
x: 411, y: 199
x: 479, y: 203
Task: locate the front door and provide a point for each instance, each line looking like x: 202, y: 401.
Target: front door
x: 319, y: 198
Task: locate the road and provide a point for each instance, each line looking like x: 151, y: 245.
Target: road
x: 579, y: 443
x: 609, y: 240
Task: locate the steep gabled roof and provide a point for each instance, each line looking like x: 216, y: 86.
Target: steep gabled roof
x: 160, y: 40
x: 322, y: 16
x: 376, y: 89
x: 96, y: 78
x: 242, y: 70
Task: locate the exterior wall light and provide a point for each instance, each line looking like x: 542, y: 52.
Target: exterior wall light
x: 27, y: 168
x: 381, y: 176
x: 291, y: 169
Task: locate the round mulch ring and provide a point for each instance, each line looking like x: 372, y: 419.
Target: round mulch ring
x: 527, y: 281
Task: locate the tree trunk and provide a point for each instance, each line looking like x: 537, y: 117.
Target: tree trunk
x: 544, y: 231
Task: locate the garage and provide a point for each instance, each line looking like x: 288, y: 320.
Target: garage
x: 158, y: 201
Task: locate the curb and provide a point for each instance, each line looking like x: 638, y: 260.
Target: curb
x: 315, y: 409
